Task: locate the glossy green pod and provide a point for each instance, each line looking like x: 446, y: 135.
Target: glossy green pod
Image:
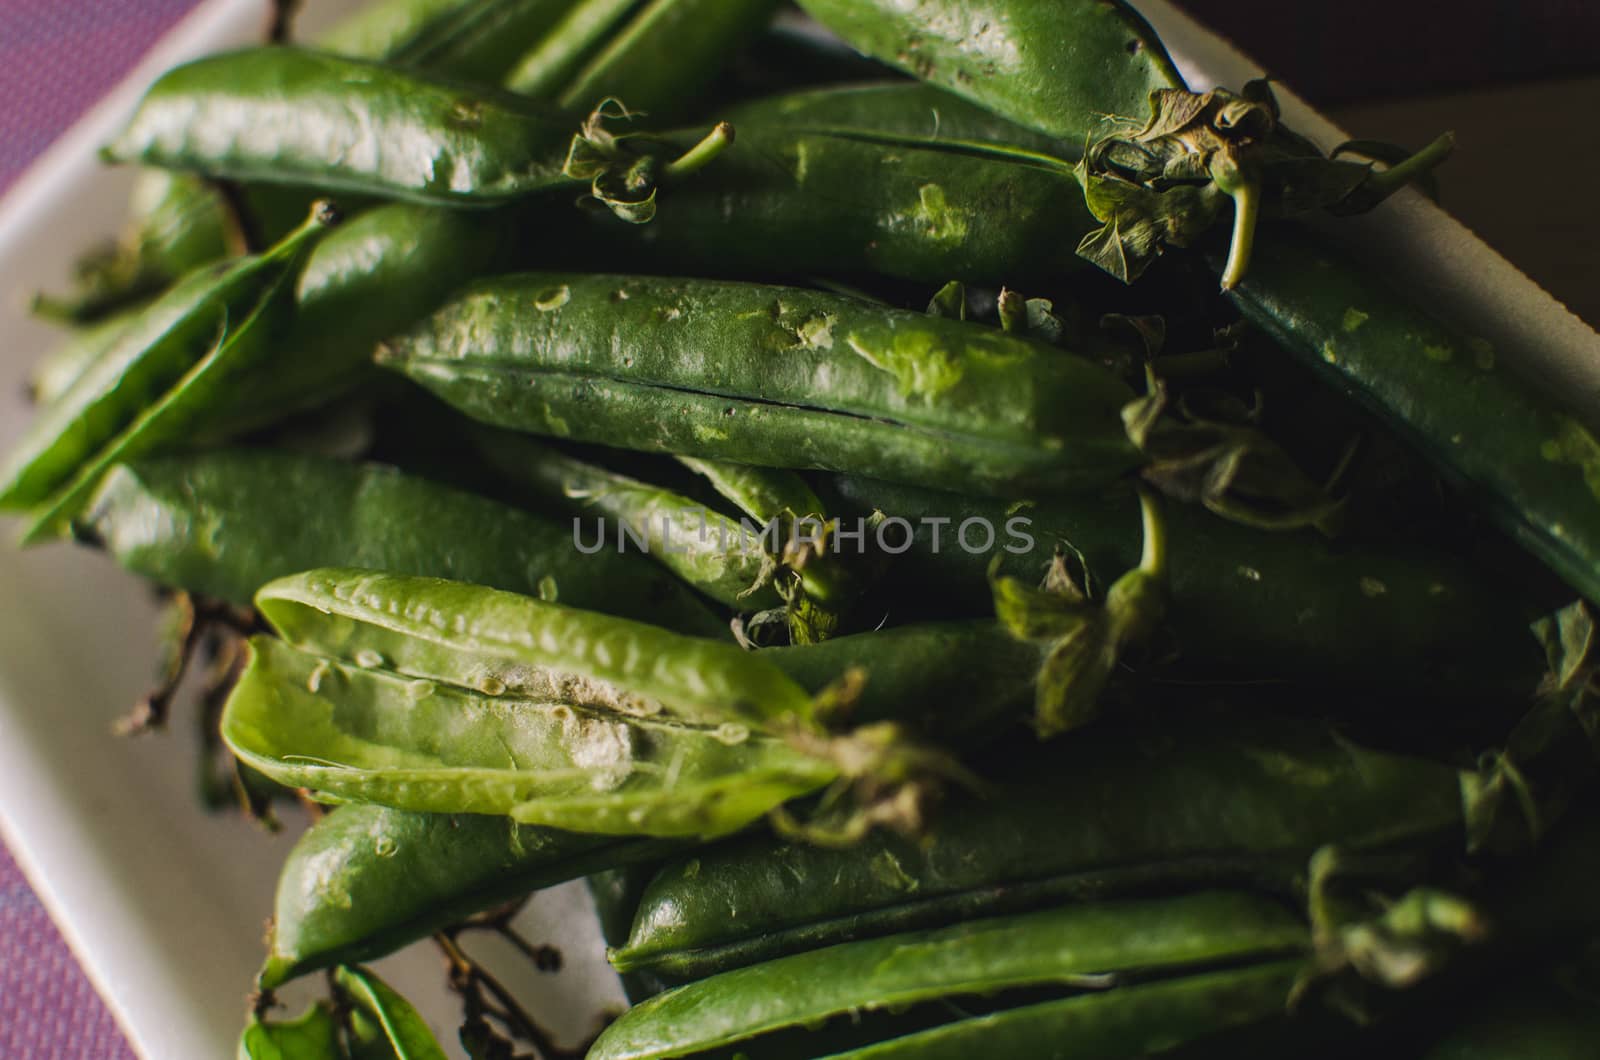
x: 143, y: 363
x: 286, y: 115
x: 365, y: 881
x: 549, y: 65
x: 501, y: 643
x: 774, y: 376
x: 1258, y: 604
x: 377, y: 273
x: 1059, y: 67
x: 224, y: 523
x: 1071, y: 948
x: 1125, y: 1024
x: 357, y: 733
x: 710, y: 551
x: 175, y: 413
x: 664, y: 58
x: 1191, y: 799
x: 1526, y: 459
x: 947, y: 680
x: 1529, y: 464
x: 475, y: 40
x: 55, y: 372
x: 871, y: 180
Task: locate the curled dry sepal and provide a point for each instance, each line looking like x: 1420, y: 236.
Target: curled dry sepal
x: 1223, y: 462
x: 1519, y: 793
x: 624, y: 171
x: 1364, y: 920
x: 1164, y: 184
x: 1083, y: 640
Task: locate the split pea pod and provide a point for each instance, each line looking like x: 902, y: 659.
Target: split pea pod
x: 773, y: 376
x: 557, y: 758
x: 1198, y: 800
x: 498, y: 643
x: 226, y: 522
x: 55, y: 373
x: 1254, y: 603
x: 376, y: 273
x: 365, y: 881
x: 152, y: 353
x: 105, y: 418
x: 856, y: 994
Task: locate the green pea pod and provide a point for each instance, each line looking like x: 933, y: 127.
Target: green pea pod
x: 180, y: 222
x: 912, y: 110
x: 878, y: 180
x: 550, y: 64
x: 1136, y: 1021
x: 947, y: 680
x: 374, y: 275
x: 224, y: 523
x: 185, y: 409
x: 1258, y: 604
x: 285, y: 115
x: 1058, y: 67
x: 313, y: 1036
x: 477, y: 40
x: 357, y: 733
x: 365, y: 881
x: 166, y: 342
x: 775, y: 376
x: 1533, y: 468
x: 1197, y: 800
x: 666, y: 56
x: 1073, y: 948
x: 500, y: 643
x: 55, y: 373
x: 763, y: 493
x: 717, y: 555
x: 380, y: 1017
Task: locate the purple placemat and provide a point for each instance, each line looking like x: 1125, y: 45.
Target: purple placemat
x: 56, y: 60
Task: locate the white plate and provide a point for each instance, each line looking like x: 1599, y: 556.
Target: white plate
x: 165, y: 906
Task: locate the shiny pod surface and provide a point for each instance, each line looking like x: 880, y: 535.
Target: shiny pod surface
x: 292, y: 116
x: 1262, y: 604
x: 366, y: 880
x: 1193, y: 798
x: 501, y: 643
x: 1074, y: 947
x: 225, y: 522
x: 1059, y: 67
x: 358, y: 733
x: 776, y: 376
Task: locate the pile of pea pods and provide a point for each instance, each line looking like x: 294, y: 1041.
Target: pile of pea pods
x: 895, y: 495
